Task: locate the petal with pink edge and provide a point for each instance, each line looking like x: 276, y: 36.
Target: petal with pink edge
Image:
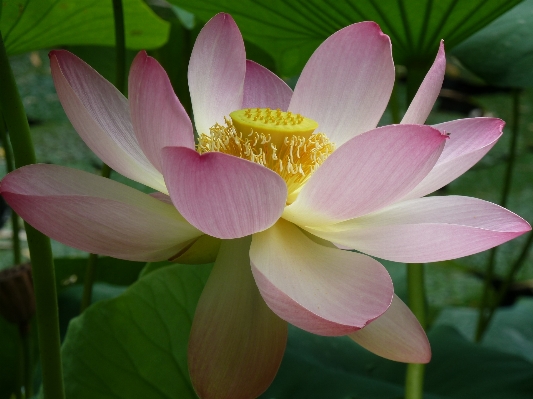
x: 346, y: 84
x: 216, y: 72
x: 367, y: 173
x: 263, y: 89
x: 429, y: 229
x: 95, y: 214
x: 395, y: 335
x: 236, y: 342
x: 322, y: 290
x: 101, y: 116
x: 428, y: 91
x: 159, y: 120
x: 470, y: 139
x: 222, y: 195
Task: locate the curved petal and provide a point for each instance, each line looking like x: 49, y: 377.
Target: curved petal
x: 222, y: 195
x: 367, y: 173
x: 322, y: 290
x: 101, y: 116
x: 263, y: 89
x: 428, y: 91
x: 395, y: 335
x: 95, y: 214
x: 216, y: 72
x: 236, y: 342
x: 346, y: 84
x: 429, y: 229
x: 470, y: 139
x: 159, y: 120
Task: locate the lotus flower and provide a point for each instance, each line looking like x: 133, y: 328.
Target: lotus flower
x: 275, y: 179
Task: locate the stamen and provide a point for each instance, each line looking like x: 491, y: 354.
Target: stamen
x: 280, y: 142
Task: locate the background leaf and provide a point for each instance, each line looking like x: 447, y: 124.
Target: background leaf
x: 290, y: 31
x: 337, y: 368
x: 134, y: 346
x: 36, y: 24
x: 502, y: 52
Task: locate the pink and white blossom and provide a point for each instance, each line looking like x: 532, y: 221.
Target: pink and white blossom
x: 276, y: 262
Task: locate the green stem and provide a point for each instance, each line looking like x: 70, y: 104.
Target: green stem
x: 414, y: 379
x: 27, y: 361
x: 120, y: 84
x: 10, y: 166
x: 39, y: 245
x: 489, y: 273
x: 120, y: 46
x: 394, y: 105
x: 415, y: 75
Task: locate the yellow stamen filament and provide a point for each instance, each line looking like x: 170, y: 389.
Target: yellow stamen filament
x: 281, y: 141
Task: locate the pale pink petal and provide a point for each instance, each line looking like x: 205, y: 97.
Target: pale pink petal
x: 428, y: 91
x: 365, y: 174
x: 470, y: 140
x: 222, y: 195
x: 346, y: 84
x: 159, y: 120
x: 101, y: 116
x: 429, y: 229
x: 216, y: 72
x: 95, y: 214
x: 396, y: 335
x: 236, y: 342
x: 263, y: 89
x: 322, y: 290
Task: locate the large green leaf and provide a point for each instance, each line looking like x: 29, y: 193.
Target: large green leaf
x: 135, y: 346
x: 502, y: 52
x: 35, y: 24
x: 336, y: 368
x: 511, y: 329
x: 291, y: 30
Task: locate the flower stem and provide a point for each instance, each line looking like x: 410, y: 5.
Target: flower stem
x: 10, y: 166
x: 120, y: 84
x: 415, y: 75
x: 39, y: 245
x: 489, y: 273
x: 414, y: 380
x: 27, y: 361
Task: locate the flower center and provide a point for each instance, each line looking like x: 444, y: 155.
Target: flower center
x: 281, y: 141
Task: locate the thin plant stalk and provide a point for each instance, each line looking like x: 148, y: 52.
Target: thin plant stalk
x: 39, y: 245
x: 27, y: 360
x: 10, y: 166
x: 414, y: 380
x: 489, y: 273
x: 120, y: 84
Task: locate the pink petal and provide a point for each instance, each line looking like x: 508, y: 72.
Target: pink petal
x: 322, y: 290
x: 429, y: 229
x: 367, y: 173
x: 101, y: 116
x: 236, y: 342
x: 470, y: 140
x: 222, y: 195
x: 94, y: 214
x: 216, y: 72
x: 263, y: 89
x: 159, y: 120
x: 346, y: 84
x: 428, y: 91
x: 396, y: 335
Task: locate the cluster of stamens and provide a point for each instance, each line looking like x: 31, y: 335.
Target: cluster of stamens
x: 294, y: 157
